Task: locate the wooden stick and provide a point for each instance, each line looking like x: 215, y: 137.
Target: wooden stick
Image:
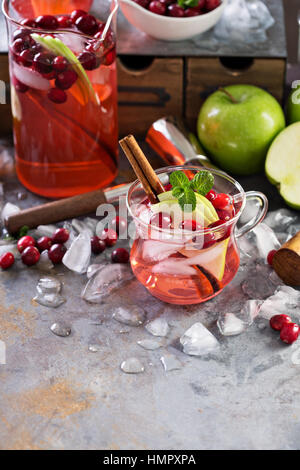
x: 142, y: 168
x: 286, y: 261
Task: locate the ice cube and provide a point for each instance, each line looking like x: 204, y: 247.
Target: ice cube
x: 132, y: 365
x: 158, y: 327
x: 257, y: 284
x: 48, y: 292
x: 8, y: 210
x: 230, y: 325
x: 30, y: 77
x: 93, y: 269
x: 131, y: 315
x: 80, y: 226
x: 266, y: 240
x: 155, y: 250
x: 174, y: 266
x: 107, y: 279
x: 198, y: 340
x: 149, y: 344
x: 280, y: 219
x: 44, y: 263
x: 45, y: 230
x: 77, y: 257
x: 72, y: 234
x: 170, y: 362
x: 285, y: 300
x: 10, y: 248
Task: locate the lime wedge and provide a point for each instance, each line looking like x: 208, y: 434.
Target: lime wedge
x: 283, y: 164
x: 56, y: 46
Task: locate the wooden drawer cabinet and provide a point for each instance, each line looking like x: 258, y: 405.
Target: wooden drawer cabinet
x: 149, y: 88
x: 205, y: 75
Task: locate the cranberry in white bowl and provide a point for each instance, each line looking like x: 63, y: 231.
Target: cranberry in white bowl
x: 173, y: 20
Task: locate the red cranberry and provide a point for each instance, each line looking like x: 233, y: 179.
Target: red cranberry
x: 271, y: 256
x: 109, y: 236
x: 192, y: 12
x: 120, y: 255
x: 97, y: 245
x: 77, y: 14
x: 7, y: 260
x: 166, y: 2
x: 60, y: 63
x: 26, y: 57
x: 57, y: 96
x: 19, y: 45
x: 64, y: 21
x: 44, y: 243
x: 161, y: 220
x: 56, y: 253
x: 19, y: 86
x: 110, y: 57
x: 47, y: 22
x: 221, y: 201
x: 43, y: 62
x: 222, y: 234
x: 277, y: 321
x: 201, y: 4
x: 142, y: 3
x: 30, y: 22
x: 157, y: 7
x: 89, y: 60
x: 61, y: 235
x: 191, y: 225
x: 225, y: 214
x: 66, y: 79
x: 21, y: 34
x: 211, y: 195
x: 30, y: 255
x: 175, y: 10
x: 87, y: 24
x: 289, y: 332
x: 168, y: 187
x: 25, y: 242
x: 212, y: 4
x: 119, y: 224
x: 209, y: 239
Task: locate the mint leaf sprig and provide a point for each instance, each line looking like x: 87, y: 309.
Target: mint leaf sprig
x: 184, y: 189
x: 188, y: 3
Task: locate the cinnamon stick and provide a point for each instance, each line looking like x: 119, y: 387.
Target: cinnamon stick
x: 286, y: 261
x: 142, y: 168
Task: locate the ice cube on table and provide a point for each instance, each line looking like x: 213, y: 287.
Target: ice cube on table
x: 45, y: 230
x: 198, y: 341
x: 257, y: 284
x: 285, y: 300
x: 170, y: 362
x: 48, y: 292
x: 229, y: 324
x: 8, y: 210
x: 106, y: 280
x: 10, y: 248
x: 266, y: 240
x: 80, y: 226
x: 280, y: 219
x: 150, y: 344
x: 93, y: 269
x: 158, y: 327
x: 77, y: 258
x: 44, y: 263
x: 132, y: 365
x: 131, y: 315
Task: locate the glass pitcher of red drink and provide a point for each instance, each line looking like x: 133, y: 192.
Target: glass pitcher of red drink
x: 63, y: 94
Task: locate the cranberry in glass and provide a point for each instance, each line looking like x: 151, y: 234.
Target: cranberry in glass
x: 175, y: 11
x: 161, y: 220
x: 77, y: 14
x: 30, y: 255
x: 46, y: 22
x: 19, y: 86
x: 166, y: 2
x: 44, y: 243
x: 60, y: 63
x: 270, y: 257
x: 61, y: 235
x: 212, y: 4
x: 97, y: 245
x: 119, y: 224
x: 120, y: 255
x: 192, y: 12
x: 7, y: 260
x: 21, y: 34
x: 110, y: 57
x: 157, y: 7
x: 58, y: 96
x: 64, y: 21
x: 225, y: 214
x: 211, y: 195
x: 30, y: 22
x: 19, y: 45
x: 289, y: 332
x: 221, y: 201
x: 209, y: 239
x: 56, y: 253
x: 43, y: 62
x: 142, y: 3
x: 191, y: 225
x: 277, y: 321
x: 201, y: 4
x: 168, y: 187
x: 26, y: 57
x: 109, y: 236
x: 87, y: 24
x: 66, y: 79
x: 89, y: 60
x: 25, y: 242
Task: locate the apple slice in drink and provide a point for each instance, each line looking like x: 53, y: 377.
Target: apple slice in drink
x: 282, y: 164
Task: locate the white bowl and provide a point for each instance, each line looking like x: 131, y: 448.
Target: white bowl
x: 169, y: 28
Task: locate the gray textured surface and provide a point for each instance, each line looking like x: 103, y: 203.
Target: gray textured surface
x: 55, y: 394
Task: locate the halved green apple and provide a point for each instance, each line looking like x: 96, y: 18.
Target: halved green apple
x: 282, y: 165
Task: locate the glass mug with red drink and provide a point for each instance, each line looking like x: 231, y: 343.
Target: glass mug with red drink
x: 63, y: 94
x: 189, y: 257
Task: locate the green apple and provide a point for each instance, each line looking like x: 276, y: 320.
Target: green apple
x: 293, y: 104
x: 283, y: 164
x: 237, y: 124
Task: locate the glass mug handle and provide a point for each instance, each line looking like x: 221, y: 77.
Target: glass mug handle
x: 262, y: 201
